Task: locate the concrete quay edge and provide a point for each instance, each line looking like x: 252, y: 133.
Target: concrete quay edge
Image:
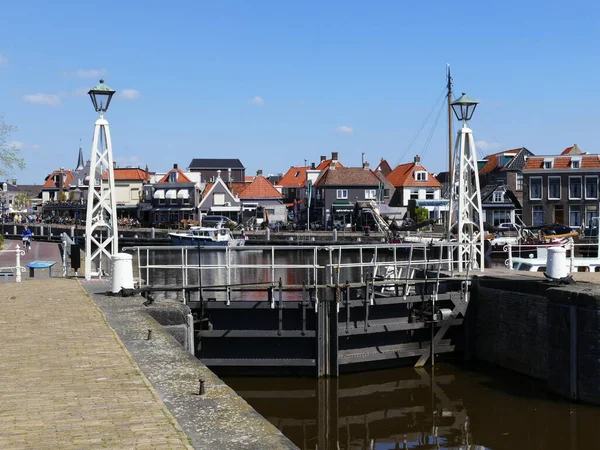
x: 220, y: 419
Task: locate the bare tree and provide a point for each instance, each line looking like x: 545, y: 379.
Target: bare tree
x: 10, y: 158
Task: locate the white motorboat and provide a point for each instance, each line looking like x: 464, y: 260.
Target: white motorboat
x: 206, y: 236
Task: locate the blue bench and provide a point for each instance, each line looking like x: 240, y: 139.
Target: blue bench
x: 40, y: 265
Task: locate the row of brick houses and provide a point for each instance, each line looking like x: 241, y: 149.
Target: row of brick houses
x: 516, y: 186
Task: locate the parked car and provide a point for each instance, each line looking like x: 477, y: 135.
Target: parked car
x: 217, y: 221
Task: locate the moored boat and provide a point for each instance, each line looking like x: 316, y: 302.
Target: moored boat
x: 206, y: 236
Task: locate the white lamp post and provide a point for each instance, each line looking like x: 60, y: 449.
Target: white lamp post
x: 465, y: 199
x: 101, y: 217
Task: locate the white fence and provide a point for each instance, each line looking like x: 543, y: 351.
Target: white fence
x: 17, y: 269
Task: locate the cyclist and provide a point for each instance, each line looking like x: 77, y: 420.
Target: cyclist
x: 26, y: 236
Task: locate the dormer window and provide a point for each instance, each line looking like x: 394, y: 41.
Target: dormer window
x: 575, y: 163
x: 421, y: 175
x: 498, y: 197
x: 548, y: 163
x: 172, y: 177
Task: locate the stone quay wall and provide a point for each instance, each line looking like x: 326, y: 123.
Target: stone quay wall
x: 540, y: 329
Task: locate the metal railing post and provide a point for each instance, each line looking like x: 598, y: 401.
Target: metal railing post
x: 18, y: 252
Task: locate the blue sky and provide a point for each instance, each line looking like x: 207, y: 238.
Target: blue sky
x: 274, y: 83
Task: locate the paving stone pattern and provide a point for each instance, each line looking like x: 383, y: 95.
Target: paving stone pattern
x: 66, y: 381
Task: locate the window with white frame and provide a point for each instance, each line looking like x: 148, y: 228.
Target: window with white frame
x: 370, y: 194
x: 575, y: 164
x: 429, y: 194
x: 414, y: 194
x: 519, y: 186
x: 574, y: 216
x: 548, y: 163
x: 341, y: 194
x: 535, y: 188
x: 386, y: 193
x: 574, y: 188
x: 591, y: 212
x: 498, y: 197
x: 553, y: 188
x: 421, y: 175
x: 591, y: 188
x: 537, y: 215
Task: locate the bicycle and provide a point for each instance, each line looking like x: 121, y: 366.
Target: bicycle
x: 27, y: 243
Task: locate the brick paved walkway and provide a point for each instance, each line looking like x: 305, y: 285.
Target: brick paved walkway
x: 66, y: 382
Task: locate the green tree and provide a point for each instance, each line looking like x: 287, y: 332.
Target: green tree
x: 421, y: 214
x: 21, y: 201
x: 10, y: 158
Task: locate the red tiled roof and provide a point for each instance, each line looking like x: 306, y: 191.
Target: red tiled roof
x: 129, y: 174
x: 492, y: 160
x: 402, y: 175
x: 563, y: 162
x: 237, y: 188
x: 347, y: 176
x: 260, y: 188
x: 326, y: 163
x: 181, y: 178
x: 248, y: 178
x: 295, y: 177
x: 49, y: 183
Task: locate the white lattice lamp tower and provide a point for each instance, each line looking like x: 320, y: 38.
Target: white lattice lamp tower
x: 101, y: 233
x: 465, y: 201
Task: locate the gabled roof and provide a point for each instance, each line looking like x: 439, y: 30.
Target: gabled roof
x: 383, y: 167
x: 181, y: 178
x: 563, y: 162
x: 402, y: 175
x: 215, y: 163
x: 295, y: 177
x: 487, y: 195
x: 237, y: 188
x: 493, y: 160
x: 260, y: 188
x: 574, y: 150
x: 33, y: 190
x: 50, y: 184
x: 211, y: 186
x: 347, y: 176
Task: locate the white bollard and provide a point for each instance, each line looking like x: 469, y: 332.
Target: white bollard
x: 18, y: 265
x: 556, y: 263
x: 122, y: 272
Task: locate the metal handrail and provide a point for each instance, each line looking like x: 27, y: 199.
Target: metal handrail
x: 17, y: 268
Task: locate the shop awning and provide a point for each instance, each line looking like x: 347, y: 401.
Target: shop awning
x: 160, y: 194
x: 183, y: 193
x: 171, y: 194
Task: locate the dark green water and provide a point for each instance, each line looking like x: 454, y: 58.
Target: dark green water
x: 478, y: 407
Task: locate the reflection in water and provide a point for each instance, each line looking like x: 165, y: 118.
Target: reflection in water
x: 421, y: 409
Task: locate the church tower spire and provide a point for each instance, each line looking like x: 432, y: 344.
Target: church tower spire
x: 80, y: 164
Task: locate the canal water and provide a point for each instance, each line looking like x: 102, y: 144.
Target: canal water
x: 450, y: 406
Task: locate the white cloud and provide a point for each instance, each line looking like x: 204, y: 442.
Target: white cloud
x: 16, y: 144
x: 86, y: 73
x: 258, y: 101
x: 130, y: 94
x: 486, y: 146
x: 344, y: 129
x: 44, y: 99
x: 3, y: 60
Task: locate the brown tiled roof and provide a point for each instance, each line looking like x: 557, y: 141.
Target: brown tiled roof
x: 260, y: 188
x: 295, y: 177
x: 248, y: 178
x: 574, y: 150
x: 384, y: 168
x: 49, y: 183
x: 347, y: 176
x: 402, y: 175
x: 237, y: 188
x: 492, y: 160
x: 563, y: 163
x: 181, y: 178
x: 207, y: 188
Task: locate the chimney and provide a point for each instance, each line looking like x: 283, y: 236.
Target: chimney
x: 312, y: 166
x: 334, y: 156
x: 366, y: 166
x: 332, y: 165
x: 323, y: 157
x: 174, y: 166
x: 114, y: 164
x: 218, y: 173
x: 259, y: 173
x: 417, y: 160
